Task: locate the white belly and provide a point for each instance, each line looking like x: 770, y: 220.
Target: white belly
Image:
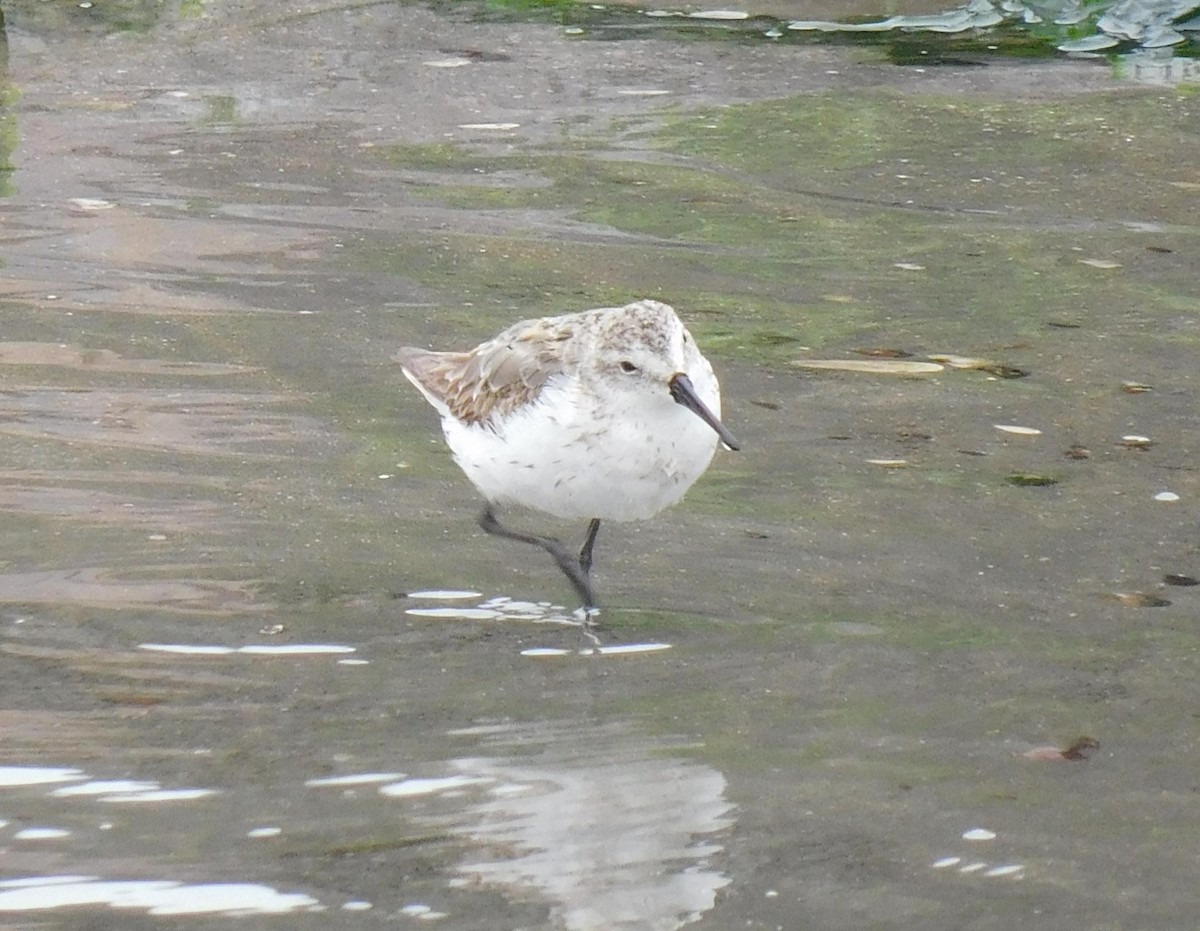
x: 579, y: 458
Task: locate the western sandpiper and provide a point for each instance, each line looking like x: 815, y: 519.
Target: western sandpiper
x: 607, y: 414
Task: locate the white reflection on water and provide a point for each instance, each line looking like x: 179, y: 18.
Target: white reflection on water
x: 496, y: 608
x: 608, y: 843
x: 37, y: 775
x: 105, y: 787
x: 504, y: 608
x: 254, y: 649
x: 41, y: 834
x: 107, y: 790
x: 611, y: 845
x: 157, y: 897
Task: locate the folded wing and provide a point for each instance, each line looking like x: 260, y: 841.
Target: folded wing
x: 495, y: 377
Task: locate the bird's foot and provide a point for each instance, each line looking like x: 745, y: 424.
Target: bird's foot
x: 586, y: 615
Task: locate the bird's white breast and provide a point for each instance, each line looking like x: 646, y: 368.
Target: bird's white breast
x: 622, y: 455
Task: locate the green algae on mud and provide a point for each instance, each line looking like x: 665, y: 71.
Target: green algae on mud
x: 849, y: 217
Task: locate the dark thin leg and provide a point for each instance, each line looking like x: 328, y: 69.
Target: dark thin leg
x: 571, y: 567
x: 585, y: 554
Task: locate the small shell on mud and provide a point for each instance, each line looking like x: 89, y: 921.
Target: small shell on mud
x: 1166, y: 496
x: 1136, y: 441
x: 1078, y: 750
x: 1030, y: 480
x: 1100, y: 263
x: 1135, y: 387
x: 889, y: 463
x: 1048, y: 754
x: 1138, y: 599
x: 1017, y: 429
x: 979, y: 834
x: 872, y: 366
x: 992, y: 367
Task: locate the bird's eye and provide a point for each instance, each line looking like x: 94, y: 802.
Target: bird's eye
x: 628, y: 367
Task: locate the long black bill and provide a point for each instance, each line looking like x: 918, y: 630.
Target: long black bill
x: 684, y: 393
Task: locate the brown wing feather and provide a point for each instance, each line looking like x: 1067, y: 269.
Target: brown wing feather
x: 495, y: 377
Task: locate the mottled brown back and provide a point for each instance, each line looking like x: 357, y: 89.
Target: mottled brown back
x: 497, y: 376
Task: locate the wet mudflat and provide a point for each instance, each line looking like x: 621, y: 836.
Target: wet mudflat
x: 254, y: 653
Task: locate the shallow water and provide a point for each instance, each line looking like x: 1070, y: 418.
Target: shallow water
x: 255, y: 657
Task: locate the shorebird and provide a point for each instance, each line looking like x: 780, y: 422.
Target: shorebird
x: 606, y: 414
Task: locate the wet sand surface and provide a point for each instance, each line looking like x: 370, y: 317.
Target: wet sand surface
x: 893, y: 665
